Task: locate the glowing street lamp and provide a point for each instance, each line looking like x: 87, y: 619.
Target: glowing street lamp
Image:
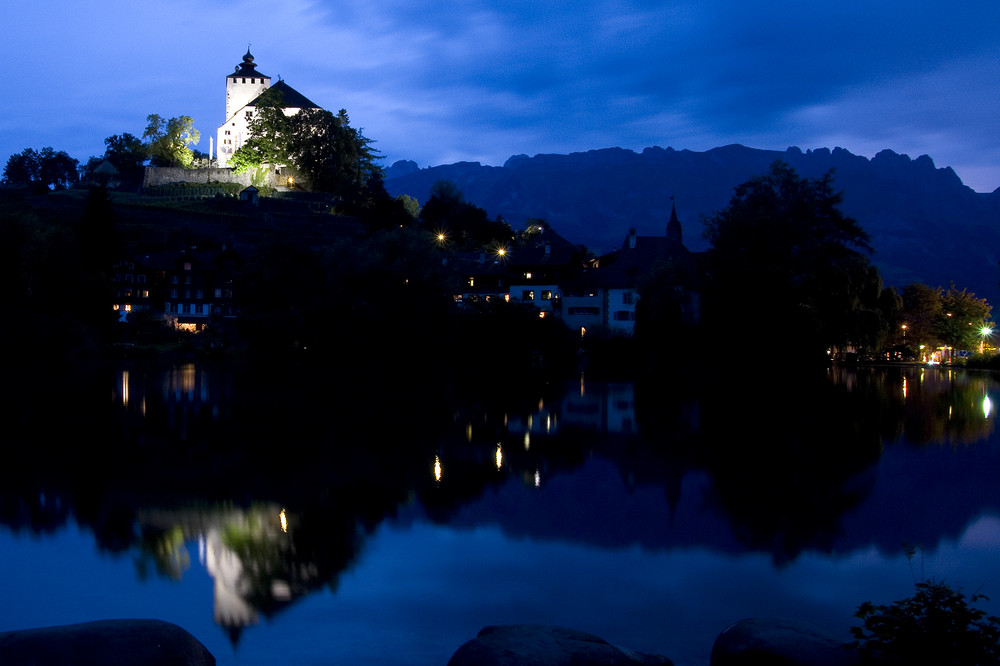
x: 984, y: 333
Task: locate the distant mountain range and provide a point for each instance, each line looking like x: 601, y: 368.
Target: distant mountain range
x: 925, y: 224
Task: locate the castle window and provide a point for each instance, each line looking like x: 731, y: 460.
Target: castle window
x: 244, y: 79
x: 253, y: 80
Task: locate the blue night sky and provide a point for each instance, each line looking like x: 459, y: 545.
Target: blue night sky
x: 481, y: 80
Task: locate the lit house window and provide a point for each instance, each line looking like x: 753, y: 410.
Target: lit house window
x: 528, y: 295
x: 546, y: 295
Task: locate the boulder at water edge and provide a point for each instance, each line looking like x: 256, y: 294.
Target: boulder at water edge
x: 779, y: 642
x: 123, y: 642
x: 533, y: 645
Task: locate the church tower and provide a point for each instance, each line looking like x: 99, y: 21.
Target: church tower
x: 674, y: 235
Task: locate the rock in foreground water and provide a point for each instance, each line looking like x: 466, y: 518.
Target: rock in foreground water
x: 123, y: 642
x: 756, y: 641
x: 534, y: 645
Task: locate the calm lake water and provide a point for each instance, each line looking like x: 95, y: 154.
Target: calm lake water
x: 312, y: 517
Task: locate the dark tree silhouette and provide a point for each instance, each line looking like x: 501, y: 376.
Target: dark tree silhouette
x: 45, y: 169
x: 789, y: 271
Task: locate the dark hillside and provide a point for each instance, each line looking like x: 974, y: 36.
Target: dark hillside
x: 926, y: 225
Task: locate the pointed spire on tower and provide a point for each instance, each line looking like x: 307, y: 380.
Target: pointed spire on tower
x: 674, y: 226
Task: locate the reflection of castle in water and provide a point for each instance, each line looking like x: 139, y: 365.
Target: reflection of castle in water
x: 244, y: 551
x: 230, y: 608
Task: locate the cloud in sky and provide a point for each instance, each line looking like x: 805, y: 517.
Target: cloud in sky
x: 438, y: 82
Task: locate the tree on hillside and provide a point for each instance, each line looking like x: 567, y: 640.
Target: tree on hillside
x: 462, y: 223
x: 330, y: 154
x: 46, y: 169
x: 168, y: 141
x: 789, y: 271
x: 327, y: 153
x: 127, y: 153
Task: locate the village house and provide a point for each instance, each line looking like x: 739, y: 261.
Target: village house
x: 551, y: 274
x: 190, y: 287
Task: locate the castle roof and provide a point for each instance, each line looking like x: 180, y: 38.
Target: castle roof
x: 290, y: 97
x: 248, y: 68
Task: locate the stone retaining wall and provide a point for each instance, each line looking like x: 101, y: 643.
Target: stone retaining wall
x: 160, y: 176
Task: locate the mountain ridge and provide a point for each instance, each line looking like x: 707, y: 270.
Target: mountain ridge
x: 926, y: 225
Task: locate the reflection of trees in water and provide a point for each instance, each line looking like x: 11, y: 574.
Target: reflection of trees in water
x: 787, y: 456
x: 791, y: 453
x: 221, y: 451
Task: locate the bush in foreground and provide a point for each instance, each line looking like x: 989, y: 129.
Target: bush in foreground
x: 934, y: 626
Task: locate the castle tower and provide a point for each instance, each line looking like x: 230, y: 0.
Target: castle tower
x: 244, y: 88
x: 244, y: 85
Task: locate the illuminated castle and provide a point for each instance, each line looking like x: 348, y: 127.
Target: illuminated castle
x: 243, y: 90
